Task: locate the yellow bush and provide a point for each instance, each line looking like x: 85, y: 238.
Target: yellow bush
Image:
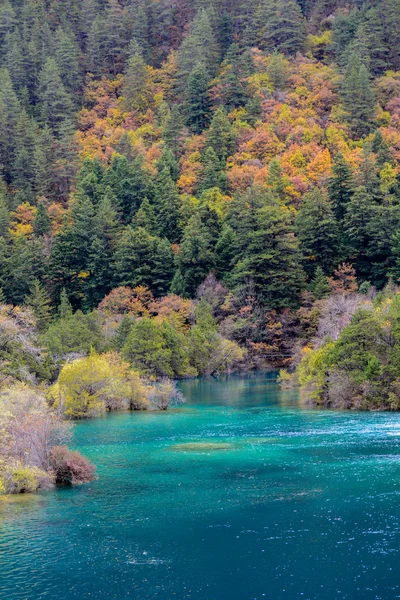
x: 89, y: 386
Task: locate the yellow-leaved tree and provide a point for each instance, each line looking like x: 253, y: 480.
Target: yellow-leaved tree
x: 89, y: 386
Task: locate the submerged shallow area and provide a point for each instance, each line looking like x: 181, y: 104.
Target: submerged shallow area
x: 238, y: 495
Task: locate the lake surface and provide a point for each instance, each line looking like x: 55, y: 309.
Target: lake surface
x: 238, y: 495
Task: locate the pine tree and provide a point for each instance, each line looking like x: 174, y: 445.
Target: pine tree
x: 319, y: 284
x: 146, y: 218
x: 224, y: 252
x: 67, y: 59
x: 7, y: 21
x: 212, y: 175
x: 114, y: 42
x: 360, y: 213
x: 268, y: 254
x: 278, y: 70
x: 65, y: 307
x: 284, y: 26
x: 42, y: 223
x: 220, y: 135
x: 197, y: 99
x: 14, y: 60
x: 173, y: 126
x: 10, y: 110
x: 55, y: 104
x: 235, y: 69
x: 129, y: 183
x: 134, y: 88
x: 199, y: 46
x: 166, y: 206
x: 168, y: 161
x: 4, y: 217
x: 317, y: 232
x: 195, y: 259
x: 358, y: 98
x: 382, y: 150
x: 340, y: 186
x: 96, y: 54
x: 142, y: 259
x: 39, y: 301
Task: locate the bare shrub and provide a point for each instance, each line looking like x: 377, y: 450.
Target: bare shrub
x: 336, y: 314
x: 70, y: 467
x: 164, y: 394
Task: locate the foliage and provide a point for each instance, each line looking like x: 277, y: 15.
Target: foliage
x: 358, y: 369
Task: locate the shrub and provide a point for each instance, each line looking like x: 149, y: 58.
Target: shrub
x: 18, y: 478
x: 164, y: 394
x: 71, y: 467
x: 74, y: 333
x: 89, y: 386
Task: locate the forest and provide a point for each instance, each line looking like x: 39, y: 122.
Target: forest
x: 190, y: 187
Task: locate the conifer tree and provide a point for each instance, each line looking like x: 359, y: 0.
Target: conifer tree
x: 340, y: 186
x: 67, y: 59
x: 317, y: 232
x: 143, y: 259
x: 212, y: 175
x: 42, y: 223
x: 39, y: 301
x: 220, y: 135
x: 283, y: 26
x: 358, y: 98
x: 319, y: 284
x: 4, y: 217
x: 166, y: 206
x: 167, y: 160
x: 135, y: 83
x: 146, y: 218
x: 55, y: 104
x: 195, y: 259
x: 199, y: 46
x: 65, y: 307
x: 197, y: 99
x: 268, y: 254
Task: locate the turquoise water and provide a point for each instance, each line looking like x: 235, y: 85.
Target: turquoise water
x: 238, y: 495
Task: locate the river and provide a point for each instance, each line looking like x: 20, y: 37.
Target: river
x: 240, y: 494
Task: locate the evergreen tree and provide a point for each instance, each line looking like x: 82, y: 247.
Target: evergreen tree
x: 166, y: 206
x: 224, y: 252
x: 358, y: 98
x: 220, y: 135
x: 319, y: 284
x: 199, y: 46
x: 42, y: 223
x: 317, y: 232
x: 65, y: 307
x: 67, y: 59
x: 283, y: 26
x: 4, y: 217
x: 168, y: 161
x: 195, y: 259
x: 212, y: 175
x: 340, y: 186
x: 360, y: 212
x: 39, y: 301
x: 197, y: 99
x: 134, y: 89
x: 141, y: 259
x: 268, y: 254
x: 146, y: 218
x: 55, y: 104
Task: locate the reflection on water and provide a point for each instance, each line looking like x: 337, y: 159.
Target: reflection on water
x: 238, y: 495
